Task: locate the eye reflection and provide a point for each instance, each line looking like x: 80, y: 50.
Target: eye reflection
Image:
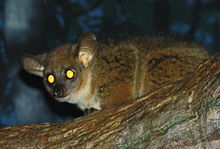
x: 70, y: 74
x: 51, y: 79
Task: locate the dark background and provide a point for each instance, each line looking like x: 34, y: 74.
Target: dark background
x: 35, y: 26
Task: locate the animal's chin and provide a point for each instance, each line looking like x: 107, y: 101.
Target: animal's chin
x: 63, y: 99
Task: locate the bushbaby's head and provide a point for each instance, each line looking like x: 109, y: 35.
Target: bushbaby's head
x: 65, y: 68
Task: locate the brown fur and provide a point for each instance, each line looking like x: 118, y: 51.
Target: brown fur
x: 112, y: 72
x: 134, y: 67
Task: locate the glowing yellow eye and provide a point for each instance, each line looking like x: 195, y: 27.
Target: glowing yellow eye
x: 51, y: 79
x: 70, y: 74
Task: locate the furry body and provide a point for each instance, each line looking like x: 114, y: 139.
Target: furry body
x: 112, y: 72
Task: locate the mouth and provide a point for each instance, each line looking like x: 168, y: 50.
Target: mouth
x: 62, y: 99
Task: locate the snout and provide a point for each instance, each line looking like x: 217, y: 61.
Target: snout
x: 59, y: 91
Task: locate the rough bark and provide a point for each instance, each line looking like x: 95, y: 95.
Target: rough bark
x: 184, y: 114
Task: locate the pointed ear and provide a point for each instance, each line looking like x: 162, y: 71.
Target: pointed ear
x: 86, y: 47
x: 33, y: 64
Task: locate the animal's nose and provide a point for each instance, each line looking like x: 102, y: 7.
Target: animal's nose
x: 58, y: 92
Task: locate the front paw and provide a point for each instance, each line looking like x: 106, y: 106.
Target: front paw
x: 89, y: 111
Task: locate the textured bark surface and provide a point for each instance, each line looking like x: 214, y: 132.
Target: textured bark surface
x: 185, y: 114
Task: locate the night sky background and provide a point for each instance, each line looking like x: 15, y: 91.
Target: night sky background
x: 36, y: 26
